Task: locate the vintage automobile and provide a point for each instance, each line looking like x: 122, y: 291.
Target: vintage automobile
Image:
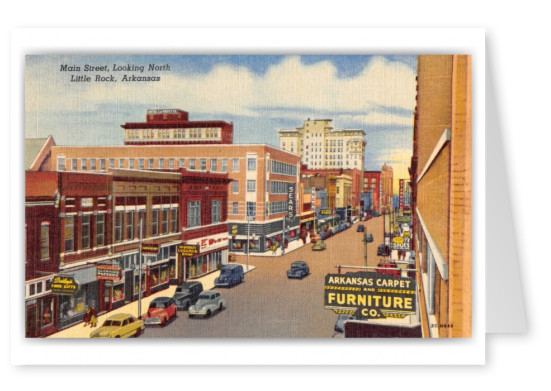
x: 299, y: 269
x: 230, y: 275
x: 319, y: 245
x: 119, y: 326
x: 161, y: 310
x: 383, y: 250
x: 208, y: 303
x: 361, y: 228
x: 187, y: 294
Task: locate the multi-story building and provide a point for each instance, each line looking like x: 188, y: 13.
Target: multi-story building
x: 264, y: 178
x: 42, y: 230
x: 169, y: 127
x: 372, y: 185
x: 322, y: 147
x: 387, y: 187
x: 441, y: 199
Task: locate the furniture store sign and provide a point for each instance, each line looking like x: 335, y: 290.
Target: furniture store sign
x: 370, y: 295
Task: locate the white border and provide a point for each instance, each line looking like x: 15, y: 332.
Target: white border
x: 251, y: 41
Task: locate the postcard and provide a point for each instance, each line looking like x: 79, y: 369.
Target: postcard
x: 248, y: 196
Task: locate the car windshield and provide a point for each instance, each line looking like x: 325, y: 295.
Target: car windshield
x: 225, y: 272
x: 158, y: 304
x: 182, y: 290
x: 114, y: 323
x: 204, y: 297
x: 297, y: 266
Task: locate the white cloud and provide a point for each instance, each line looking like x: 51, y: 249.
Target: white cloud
x: 237, y: 91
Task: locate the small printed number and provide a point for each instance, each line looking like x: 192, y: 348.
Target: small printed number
x: 442, y: 325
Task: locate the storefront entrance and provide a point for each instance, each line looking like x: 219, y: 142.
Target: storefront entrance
x: 31, y: 329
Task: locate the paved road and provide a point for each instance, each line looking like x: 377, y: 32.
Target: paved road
x: 268, y: 305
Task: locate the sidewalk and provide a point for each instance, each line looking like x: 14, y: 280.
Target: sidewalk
x: 79, y: 331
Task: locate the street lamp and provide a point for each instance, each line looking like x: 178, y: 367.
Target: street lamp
x: 368, y: 238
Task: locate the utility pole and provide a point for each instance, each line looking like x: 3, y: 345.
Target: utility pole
x: 140, y: 271
x: 283, y: 238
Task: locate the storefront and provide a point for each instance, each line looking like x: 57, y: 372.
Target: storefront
x: 212, y: 252
x: 263, y: 237
x: 39, y: 311
x: 73, y: 307
x: 307, y: 223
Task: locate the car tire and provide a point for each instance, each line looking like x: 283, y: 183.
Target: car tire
x: 221, y: 308
x: 208, y: 314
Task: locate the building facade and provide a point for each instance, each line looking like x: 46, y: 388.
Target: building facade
x: 322, y: 147
x: 263, y: 180
x: 387, y: 187
x: 441, y: 197
x: 372, y: 185
x: 172, y: 126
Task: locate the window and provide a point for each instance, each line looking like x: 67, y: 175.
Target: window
x: 83, y: 164
x: 164, y: 221
x: 224, y: 167
x: 102, y: 164
x: 151, y: 163
x: 73, y: 164
x: 235, y: 208
x: 171, y: 164
x: 251, y: 186
x: 216, y: 211
x: 100, y: 230
x: 251, y: 209
x: 69, y: 233
x: 155, y: 223
x: 213, y: 165
x: 235, y: 187
x: 61, y: 163
x: 44, y: 241
x: 251, y: 164
x: 181, y: 163
x: 85, y: 223
x: 174, y: 221
x: 121, y: 163
x: 141, y: 163
x: 93, y: 164
x: 129, y: 225
x: 235, y: 165
x: 203, y: 164
x: 192, y: 164
x: 111, y: 163
x: 118, y: 226
x: 194, y: 213
x: 161, y: 163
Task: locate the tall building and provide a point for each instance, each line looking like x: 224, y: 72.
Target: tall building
x: 441, y: 198
x: 387, y: 188
x: 172, y: 126
x: 322, y: 147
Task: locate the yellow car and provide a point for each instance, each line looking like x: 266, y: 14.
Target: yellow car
x: 119, y: 326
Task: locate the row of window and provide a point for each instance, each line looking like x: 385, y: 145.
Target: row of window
x: 283, y: 168
x: 154, y: 163
x: 192, y: 133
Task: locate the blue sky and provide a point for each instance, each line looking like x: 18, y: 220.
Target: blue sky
x: 260, y: 94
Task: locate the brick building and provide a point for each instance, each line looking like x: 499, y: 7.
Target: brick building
x: 372, y: 185
x: 441, y: 197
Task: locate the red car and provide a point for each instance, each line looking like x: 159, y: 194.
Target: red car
x: 161, y: 310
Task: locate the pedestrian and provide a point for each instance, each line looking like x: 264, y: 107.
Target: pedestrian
x: 87, y: 317
x: 93, y: 317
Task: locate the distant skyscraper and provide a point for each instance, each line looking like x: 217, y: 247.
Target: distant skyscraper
x: 322, y: 147
x: 387, y: 178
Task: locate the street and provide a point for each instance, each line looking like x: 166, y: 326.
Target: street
x: 268, y: 305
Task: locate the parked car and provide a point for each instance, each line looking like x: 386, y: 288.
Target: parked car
x: 230, y: 275
x: 299, y: 269
x: 187, y: 294
x: 208, y: 303
x: 361, y: 228
x: 383, y: 250
x: 319, y: 245
x: 119, y: 326
x: 342, y: 319
x: 160, y: 311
